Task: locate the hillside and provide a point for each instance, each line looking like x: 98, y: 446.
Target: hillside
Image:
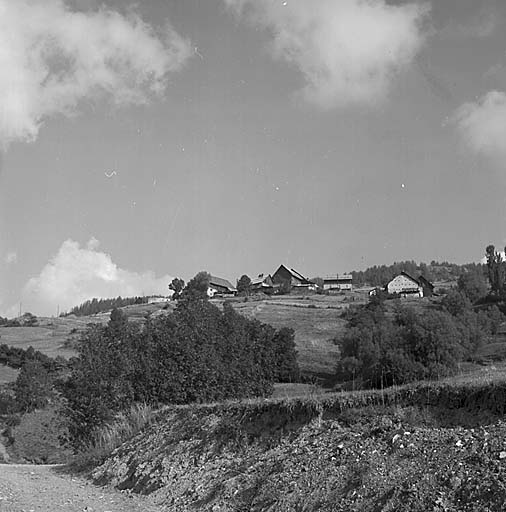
x: 437, y: 447
x: 315, y: 320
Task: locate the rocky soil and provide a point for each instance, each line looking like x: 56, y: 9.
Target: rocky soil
x: 370, y: 459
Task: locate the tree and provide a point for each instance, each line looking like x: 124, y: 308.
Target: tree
x: 197, y: 353
x: 33, y: 386
x: 455, y: 302
x: 244, y: 285
x: 176, y: 286
x: 495, y: 267
x: 472, y: 285
x: 197, y: 287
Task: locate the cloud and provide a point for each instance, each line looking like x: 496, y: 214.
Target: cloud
x: 482, y: 124
x: 348, y: 50
x: 52, y: 58
x: 77, y: 274
x: 11, y: 258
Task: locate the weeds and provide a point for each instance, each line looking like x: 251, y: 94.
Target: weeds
x: 106, y: 439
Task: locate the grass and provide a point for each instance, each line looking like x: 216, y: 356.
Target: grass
x: 316, y: 321
x: 125, y: 426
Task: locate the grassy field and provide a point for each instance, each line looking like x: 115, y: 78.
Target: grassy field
x: 316, y: 321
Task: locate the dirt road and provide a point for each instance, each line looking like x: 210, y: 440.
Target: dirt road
x: 26, y: 488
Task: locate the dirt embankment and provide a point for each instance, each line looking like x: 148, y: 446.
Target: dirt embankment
x: 446, y: 452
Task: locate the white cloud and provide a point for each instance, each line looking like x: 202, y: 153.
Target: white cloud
x: 77, y: 274
x: 482, y: 124
x: 347, y: 50
x: 52, y: 57
x: 11, y: 258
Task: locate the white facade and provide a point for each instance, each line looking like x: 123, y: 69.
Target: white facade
x: 404, y: 285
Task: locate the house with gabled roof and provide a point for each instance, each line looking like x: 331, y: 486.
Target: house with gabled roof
x: 262, y: 283
x: 220, y: 286
x: 338, y: 282
x: 406, y: 285
x: 290, y: 278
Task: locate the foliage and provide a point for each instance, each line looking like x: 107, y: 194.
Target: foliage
x: 381, y: 350
x: 197, y: 353
x: 244, y: 285
x: 29, y: 320
x: 33, y: 387
x: 16, y: 357
x: 197, y: 287
x: 435, y: 271
x: 455, y: 302
x: 473, y: 284
x: 495, y: 269
x: 94, y: 306
x: 176, y: 285
x: 124, y: 426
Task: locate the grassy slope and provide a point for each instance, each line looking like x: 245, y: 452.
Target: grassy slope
x: 316, y: 321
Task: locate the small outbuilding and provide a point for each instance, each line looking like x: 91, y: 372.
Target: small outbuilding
x: 337, y: 283
x: 262, y: 283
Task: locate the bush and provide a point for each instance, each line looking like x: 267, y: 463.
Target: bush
x: 379, y: 350
x: 197, y: 353
x: 33, y: 387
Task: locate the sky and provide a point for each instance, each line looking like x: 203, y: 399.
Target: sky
x: 144, y: 141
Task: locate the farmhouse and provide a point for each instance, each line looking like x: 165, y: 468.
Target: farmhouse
x: 262, y: 283
x: 343, y: 282
x: 218, y: 285
x: 406, y: 285
x: 290, y: 278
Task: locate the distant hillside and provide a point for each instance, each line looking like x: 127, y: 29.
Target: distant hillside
x: 94, y: 306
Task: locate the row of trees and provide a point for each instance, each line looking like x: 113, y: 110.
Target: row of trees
x: 379, y: 275
x: 197, y: 353
x: 94, y: 306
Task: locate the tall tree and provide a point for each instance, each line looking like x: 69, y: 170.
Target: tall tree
x: 244, y: 284
x: 176, y: 286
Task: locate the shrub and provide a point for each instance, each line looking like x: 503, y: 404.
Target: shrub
x: 197, y: 353
x: 380, y: 350
x: 33, y: 387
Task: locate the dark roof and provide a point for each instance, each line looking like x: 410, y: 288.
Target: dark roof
x: 262, y: 278
x: 409, y: 277
x: 218, y: 281
x: 425, y: 282
x: 296, y: 274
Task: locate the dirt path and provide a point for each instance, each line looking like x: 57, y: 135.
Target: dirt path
x: 27, y: 488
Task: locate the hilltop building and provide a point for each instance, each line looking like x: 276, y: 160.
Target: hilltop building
x: 290, y: 278
x: 220, y: 286
x: 406, y: 285
x: 262, y: 283
x: 337, y: 283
